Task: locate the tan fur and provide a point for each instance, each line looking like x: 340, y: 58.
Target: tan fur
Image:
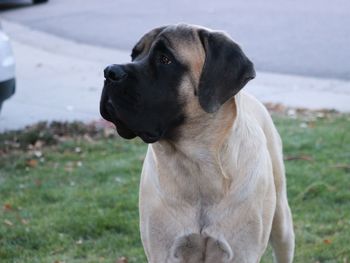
x: 217, y: 193
x: 145, y: 43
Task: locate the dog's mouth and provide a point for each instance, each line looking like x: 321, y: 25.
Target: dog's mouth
x: 149, y: 137
x: 110, y: 113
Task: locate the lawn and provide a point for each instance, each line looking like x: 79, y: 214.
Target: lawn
x: 70, y: 194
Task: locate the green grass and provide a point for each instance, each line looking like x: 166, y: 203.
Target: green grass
x: 80, y: 204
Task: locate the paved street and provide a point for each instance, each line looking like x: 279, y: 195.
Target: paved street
x: 62, y: 47
x: 56, y: 80
x: 310, y: 38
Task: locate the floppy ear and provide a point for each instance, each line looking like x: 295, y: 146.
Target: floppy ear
x: 144, y: 44
x: 225, y: 72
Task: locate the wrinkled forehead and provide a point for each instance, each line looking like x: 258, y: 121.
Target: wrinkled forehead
x: 182, y: 40
x: 180, y: 34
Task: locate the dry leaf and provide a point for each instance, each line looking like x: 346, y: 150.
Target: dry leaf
x: 32, y: 163
x: 122, y: 260
x: 8, y: 207
x: 8, y: 222
x: 327, y: 241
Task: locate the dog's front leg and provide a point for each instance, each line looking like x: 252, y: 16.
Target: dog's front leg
x: 282, y: 234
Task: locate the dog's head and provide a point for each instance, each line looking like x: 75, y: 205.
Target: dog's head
x: 173, y: 69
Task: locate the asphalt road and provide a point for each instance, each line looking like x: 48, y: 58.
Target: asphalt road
x: 310, y: 38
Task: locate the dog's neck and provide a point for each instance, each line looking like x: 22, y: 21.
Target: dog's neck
x: 199, y: 158
x: 203, y: 140
x: 202, y: 134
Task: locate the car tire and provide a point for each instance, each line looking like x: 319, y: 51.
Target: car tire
x: 39, y: 1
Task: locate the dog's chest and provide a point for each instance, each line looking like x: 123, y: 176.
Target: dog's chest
x: 199, y: 184
x: 203, y: 206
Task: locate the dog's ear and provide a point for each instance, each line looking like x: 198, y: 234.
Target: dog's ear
x: 144, y: 44
x: 226, y: 70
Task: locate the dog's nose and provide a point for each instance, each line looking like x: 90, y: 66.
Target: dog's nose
x: 115, y: 73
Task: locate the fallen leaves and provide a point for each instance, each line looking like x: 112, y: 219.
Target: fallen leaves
x: 33, y: 138
x: 8, y: 222
x: 297, y: 112
x: 14, y: 215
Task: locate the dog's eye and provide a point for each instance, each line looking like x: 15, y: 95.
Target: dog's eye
x: 164, y: 60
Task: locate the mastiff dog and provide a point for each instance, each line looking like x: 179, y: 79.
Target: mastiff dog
x: 213, y: 186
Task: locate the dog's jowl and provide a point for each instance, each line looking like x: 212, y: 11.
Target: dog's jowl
x: 213, y: 185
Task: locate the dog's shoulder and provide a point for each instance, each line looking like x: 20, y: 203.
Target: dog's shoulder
x: 248, y: 105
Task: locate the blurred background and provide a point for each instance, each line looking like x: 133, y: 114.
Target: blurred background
x: 300, y: 49
x: 69, y: 184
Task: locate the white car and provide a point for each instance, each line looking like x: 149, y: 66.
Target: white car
x: 7, y: 68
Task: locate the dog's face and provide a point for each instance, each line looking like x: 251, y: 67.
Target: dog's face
x: 173, y: 69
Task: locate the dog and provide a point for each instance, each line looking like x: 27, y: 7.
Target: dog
x: 213, y: 185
